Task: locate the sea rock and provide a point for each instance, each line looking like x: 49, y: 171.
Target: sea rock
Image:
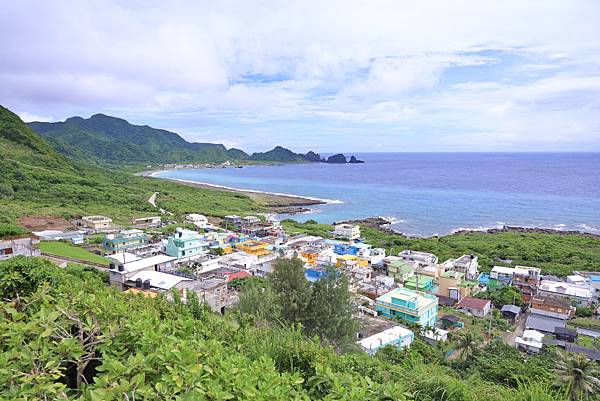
x: 313, y: 157
x: 337, y: 159
x: 354, y: 160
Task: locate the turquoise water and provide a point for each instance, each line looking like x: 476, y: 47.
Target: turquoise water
x: 436, y: 193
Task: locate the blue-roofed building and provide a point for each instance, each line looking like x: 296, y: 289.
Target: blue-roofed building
x: 345, y: 249
x: 313, y: 274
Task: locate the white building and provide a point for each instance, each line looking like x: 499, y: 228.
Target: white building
x: 347, y: 231
x: 582, y: 295
x: 531, y: 341
x: 467, y: 264
x: 396, y: 336
x: 120, y: 273
x: 152, y: 221
x: 96, y: 222
x: 198, y: 220
x: 422, y: 258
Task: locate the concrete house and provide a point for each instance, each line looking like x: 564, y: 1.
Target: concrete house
x: 96, y: 222
x: 466, y: 264
x: 187, y: 245
x: 123, y: 241
x: 475, y: 306
x: 122, y: 272
x: 152, y: 221
x: 422, y: 258
x: 198, y: 220
x: 408, y: 305
x: 19, y: 245
x: 581, y: 295
x: 346, y: 231
x: 396, y: 336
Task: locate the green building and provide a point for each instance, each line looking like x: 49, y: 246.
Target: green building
x: 409, y: 306
x: 123, y: 241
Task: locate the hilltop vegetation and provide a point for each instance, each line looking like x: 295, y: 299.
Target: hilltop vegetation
x: 554, y: 253
x: 36, y: 180
x: 67, y: 335
x: 107, y: 140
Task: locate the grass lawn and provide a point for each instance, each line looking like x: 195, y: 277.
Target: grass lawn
x: 64, y: 249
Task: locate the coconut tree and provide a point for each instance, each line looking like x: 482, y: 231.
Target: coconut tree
x: 468, y: 343
x: 580, y: 375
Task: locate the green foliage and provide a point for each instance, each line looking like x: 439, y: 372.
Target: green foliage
x: 580, y: 375
x: 7, y: 230
x: 500, y: 363
x: 584, y: 311
x: 586, y: 322
x: 42, y: 182
x: 508, y: 295
x: 309, y: 227
x: 60, y: 248
x: 323, y: 309
x: 67, y: 336
x: 21, y: 276
x: 106, y: 140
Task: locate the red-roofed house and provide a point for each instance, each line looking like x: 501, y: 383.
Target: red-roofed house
x: 241, y: 274
x: 475, y: 306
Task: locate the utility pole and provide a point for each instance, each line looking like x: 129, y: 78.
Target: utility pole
x: 491, y: 314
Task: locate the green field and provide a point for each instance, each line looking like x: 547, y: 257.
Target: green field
x: 64, y: 249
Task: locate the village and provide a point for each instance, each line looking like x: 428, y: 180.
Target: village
x: 397, y: 297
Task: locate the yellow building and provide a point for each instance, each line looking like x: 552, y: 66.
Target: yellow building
x: 310, y: 257
x: 351, y: 260
x: 256, y: 248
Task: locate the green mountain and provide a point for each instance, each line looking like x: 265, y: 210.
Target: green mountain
x: 279, y: 154
x: 113, y: 141
x: 36, y: 179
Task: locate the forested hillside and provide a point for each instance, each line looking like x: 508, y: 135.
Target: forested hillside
x: 67, y: 335
x: 35, y: 179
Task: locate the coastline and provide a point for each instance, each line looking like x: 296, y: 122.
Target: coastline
x: 383, y: 225
x: 276, y: 202
x: 282, y: 203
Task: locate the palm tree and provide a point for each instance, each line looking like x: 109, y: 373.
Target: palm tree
x: 580, y: 375
x: 468, y: 343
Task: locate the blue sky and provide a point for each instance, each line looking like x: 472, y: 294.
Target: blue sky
x: 322, y: 75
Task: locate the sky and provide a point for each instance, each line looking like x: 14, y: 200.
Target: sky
x: 329, y: 76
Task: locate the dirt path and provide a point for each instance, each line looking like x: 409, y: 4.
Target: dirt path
x: 518, y: 332
x: 152, y: 199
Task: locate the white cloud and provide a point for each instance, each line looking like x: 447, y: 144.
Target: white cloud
x: 28, y: 117
x: 434, y: 66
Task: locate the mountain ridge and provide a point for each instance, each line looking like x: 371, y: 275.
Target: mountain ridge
x: 108, y: 140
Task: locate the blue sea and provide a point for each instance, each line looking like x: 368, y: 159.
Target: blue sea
x: 435, y: 193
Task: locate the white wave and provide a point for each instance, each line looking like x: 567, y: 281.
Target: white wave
x: 325, y: 200
x: 589, y: 228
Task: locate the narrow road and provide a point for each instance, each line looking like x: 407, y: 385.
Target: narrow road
x: 518, y: 332
x: 152, y: 201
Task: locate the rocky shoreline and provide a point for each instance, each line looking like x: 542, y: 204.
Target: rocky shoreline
x: 383, y: 225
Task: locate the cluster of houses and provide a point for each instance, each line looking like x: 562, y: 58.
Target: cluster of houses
x: 407, y: 288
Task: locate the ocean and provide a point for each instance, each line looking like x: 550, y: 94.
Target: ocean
x: 435, y: 193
